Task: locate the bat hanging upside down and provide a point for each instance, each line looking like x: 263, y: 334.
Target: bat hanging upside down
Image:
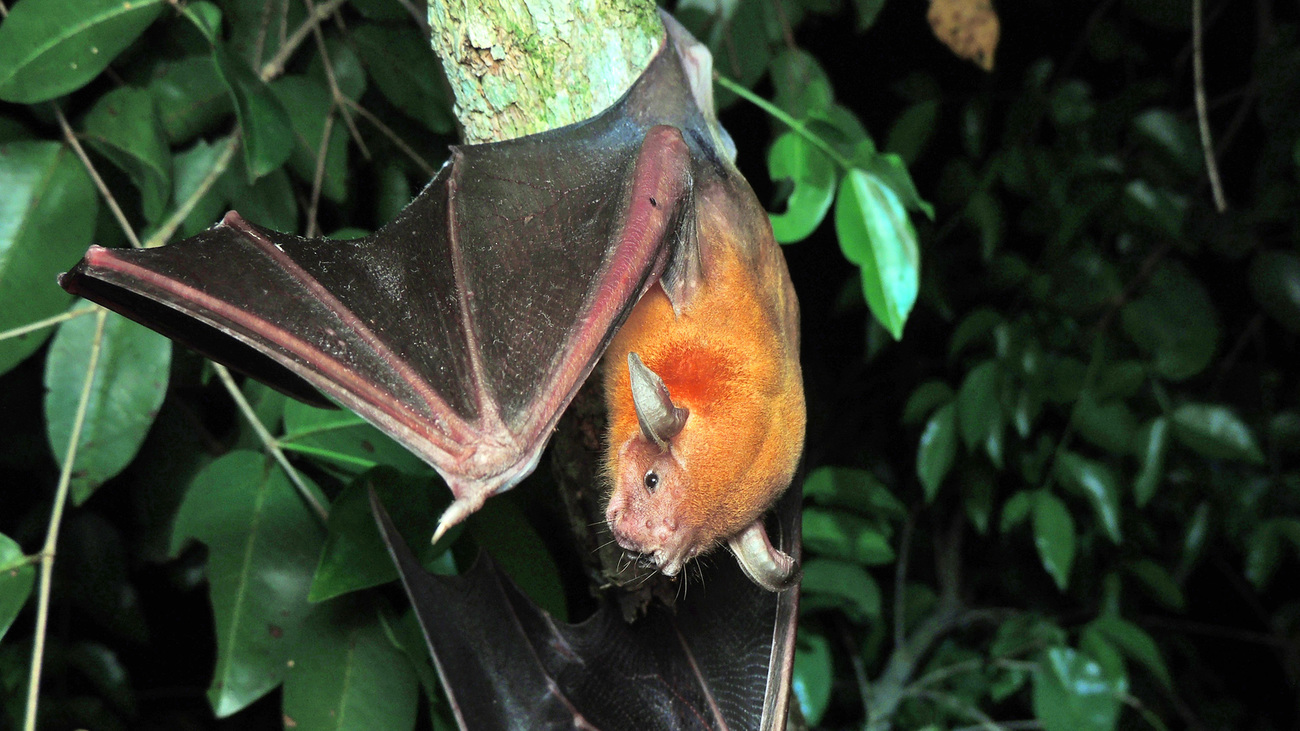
x: 464, y: 327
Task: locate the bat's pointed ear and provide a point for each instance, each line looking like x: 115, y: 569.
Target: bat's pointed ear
x: 660, y: 419
x: 765, y: 564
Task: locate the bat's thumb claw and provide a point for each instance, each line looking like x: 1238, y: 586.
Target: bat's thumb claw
x: 458, y: 511
x: 765, y: 564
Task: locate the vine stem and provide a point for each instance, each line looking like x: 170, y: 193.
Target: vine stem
x: 780, y: 115
x: 1202, y: 116
x: 56, y: 520
x: 174, y: 221
x: 47, y: 322
x: 275, y: 66
x: 94, y: 174
x: 270, y: 443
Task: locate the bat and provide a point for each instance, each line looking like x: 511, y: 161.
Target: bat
x: 464, y: 327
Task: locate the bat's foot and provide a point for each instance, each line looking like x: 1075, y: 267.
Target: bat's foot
x: 765, y: 564
x: 462, y: 508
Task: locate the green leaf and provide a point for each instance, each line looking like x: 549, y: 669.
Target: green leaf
x: 1134, y: 642
x: 977, y: 488
x: 47, y: 217
x: 912, y: 130
x: 17, y: 575
x: 1015, y: 510
x: 979, y: 410
x: 1024, y: 633
x: 262, y: 547
x: 123, y: 127
x: 846, y: 487
x: 51, y: 47
x: 1098, y: 484
x: 1275, y: 281
x: 206, y: 17
x: 501, y: 528
x: 189, y: 169
x: 876, y: 234
x: 937, y: 450
x: 1263, y: 551
x: 1071, y: 103
x: 828, y: 583
x: 1120, y: 380
x: 1216, y: 432
x: 867, y: 11
x: 1155, y: 208
x: 892, y: 171
x: 926, y: 398
x: 1174, y: 322
x: 1110, y: 425
x: 190, y: 95
x: 404, y: 67
x: 845, y: 536
x: 1054, y: 537
x: 794, y: 158
x: 1175, y: 139
x: 267, y: 132
x: 130, y: 380
x: 814, y: 674
x: 1153, y: 444
x: 309, y: 103
x: 269, y: 200
x: 1073, y: 693
x: 354, y: 556
x: 1156, y: 582
x: 344, y: 439
x: 973, y: 328
x: 346, y: 675
x: 802, y: 87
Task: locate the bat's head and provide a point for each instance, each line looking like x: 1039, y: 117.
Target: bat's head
x: 645, y: 512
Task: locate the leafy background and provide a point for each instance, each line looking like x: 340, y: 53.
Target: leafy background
x: 1067, y: 498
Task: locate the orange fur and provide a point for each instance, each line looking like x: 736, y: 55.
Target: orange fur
x: 730, y: 356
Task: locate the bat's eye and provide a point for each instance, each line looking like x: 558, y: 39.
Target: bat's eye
x: 651, y: 481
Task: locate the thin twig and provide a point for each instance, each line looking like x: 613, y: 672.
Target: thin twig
x: 259, y: 45
x: 960, y: 706
x: 47, y: 322
x: 390, y: 134
x: 781, y: 116
x: 273, y: 68
x: 270, y: 443
x: 56, y: 520
x: 1202, y: 116
x: 94, y: 175
x: 174, y: 221
x: 313, y: 226
x: 337, y: 92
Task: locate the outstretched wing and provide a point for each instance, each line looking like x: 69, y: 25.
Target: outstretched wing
x: 462, y: 328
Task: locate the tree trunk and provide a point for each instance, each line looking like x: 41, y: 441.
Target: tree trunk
x: 519, y: 67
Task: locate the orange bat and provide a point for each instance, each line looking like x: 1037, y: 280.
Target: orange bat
x: 705, y: 396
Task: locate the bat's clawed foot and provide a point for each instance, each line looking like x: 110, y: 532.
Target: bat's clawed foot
x: 765, y: 564
x: 462, y: 508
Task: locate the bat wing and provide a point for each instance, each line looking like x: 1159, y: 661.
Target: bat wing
x: 462, y: 328
x: 722, y: 658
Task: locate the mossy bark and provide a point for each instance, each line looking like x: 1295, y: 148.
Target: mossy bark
x: 519, y: 67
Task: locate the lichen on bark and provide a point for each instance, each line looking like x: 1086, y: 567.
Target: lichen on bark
x: 518, y: 67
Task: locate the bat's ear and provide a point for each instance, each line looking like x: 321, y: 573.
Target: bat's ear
x: 660, y: 419
x: 767, y: 565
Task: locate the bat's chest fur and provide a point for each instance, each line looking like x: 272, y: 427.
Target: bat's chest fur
x: 728, y: 359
